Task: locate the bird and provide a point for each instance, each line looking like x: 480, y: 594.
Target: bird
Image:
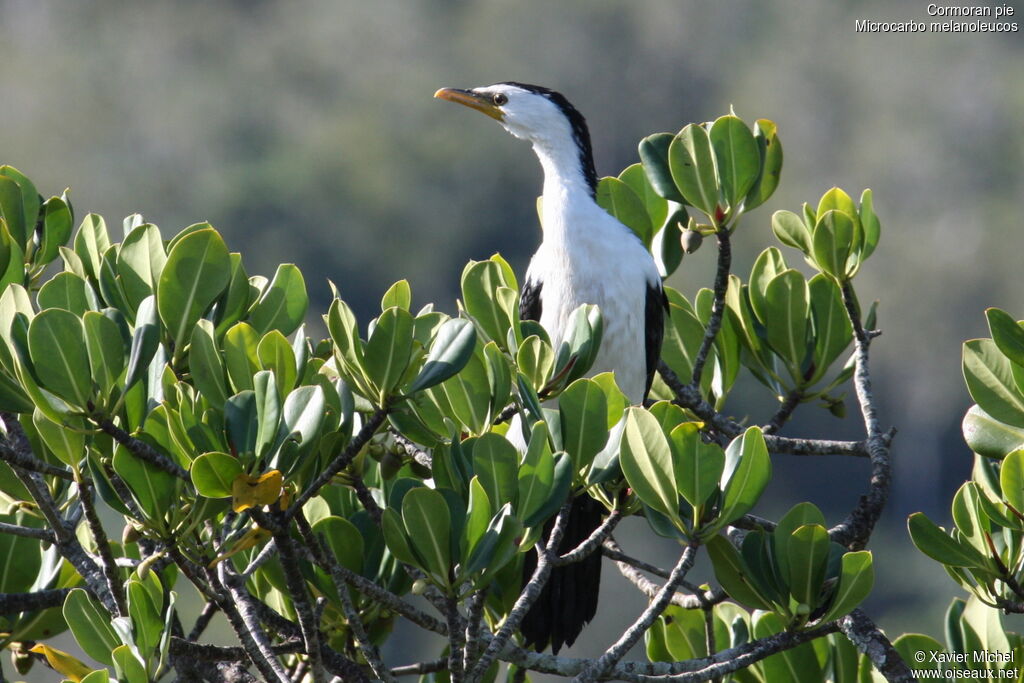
x: 586, y: 256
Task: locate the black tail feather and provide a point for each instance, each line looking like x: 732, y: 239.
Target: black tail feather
x: 569, y: 600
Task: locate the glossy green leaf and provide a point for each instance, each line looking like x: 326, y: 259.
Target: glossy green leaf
x: 692, y: 163
x: 480, y: 282
x: 275, y: 354
x: 283, y: 303
x: 619, y: 199
x: 478, y: 514
x: 91, y: 243
x: 388, y: 350
x: 343, y: 540
x: 808, y: 551
x: 1007, y: 334
x: 268, y: 411
x: 872, y: 229
x: 990, y: 382
x: 449, y: 352
x: 302, y: 415
x: 737, y: 156
x: 699, y: 466
x: 797, y: 664
x: 67, y: 291
x: 655, y: 205
x: 206, y: 365
x: 646, y: 460
x: 154, y: 489
x: 234, y: 302
x: 833, y: 332
x: 856, y: 580
x: 66, y: 439
x: 732, y: 574
x: 833, y: 240
x: 931, y: 540
x: 989, y: 437
x: 20, y: 557
x: 105, y: 347
x: 768, y: 265
x: 241, y: 356
x: 146, y: 618
x: 799, y: 515
x: 786, y: 317
x: 791, y: 230
x: 654, y: 155
x: 770, y: 151
x: 196, y: 272
x: 140, y: 261
x: 395, y: 537
x: 145, y: 341
x: 1011, y: 479
x: 583, y: 412
x: 12, y: 209
x: 90, y: 625
x: 57, y: 226
x: 428, y: 525
x: 128, y: 667
x: 495, y: 462
x: 747, y: 472
x: 56, y: 341
x: 214, y: 473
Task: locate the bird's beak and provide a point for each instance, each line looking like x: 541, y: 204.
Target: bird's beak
x: 471, y: 100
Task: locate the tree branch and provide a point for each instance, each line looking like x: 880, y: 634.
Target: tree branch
x: 593, y: 542
x: 866, y: 637
x: 142, y: 450
x: 15, y: 603
x: 628, y: 567
x: 782, y: 415
x: 106, y: 561
x: 636, y: 631
x: 16, y: 451
x: 43, y: 535
x: 300, y: 602
x: 717, y: 307
x: 421, y: 668
x: 242, y: 615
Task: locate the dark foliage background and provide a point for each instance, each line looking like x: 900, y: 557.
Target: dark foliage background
x: 305, y: 131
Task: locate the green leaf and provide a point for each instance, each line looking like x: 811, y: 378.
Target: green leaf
x: 693, y: 168
x: 388, y: 350
x: 619, y: 199
x: 833, y: 240
x: 1011, y: 479
x: 140, y: 261
x: 655, y: 205
x: 20, y: 557
x: 146, y: 619
x: 197, y: 271
x: 989, y: 437
x: 931, y: 540
x: 428, y: 525
x: 57, y: 226
x: 747, y: 472
x: 646, y: 460
x: 798, y: 664
x: 283, y: 304
x: 343, y: 540
x: 856, y: 580
x: 66, y: 439
x: 268, y: 411
x: 56, y: 341
x: 871, y: 228
x: 808, y: 550
x: 791, y: 230
x: 990, y: 382
x: 478, y: 515
x: 204, y: 360
x: 535, y: 360
x: 769, y: 265
x: 127, y: 666
x: 29, y: 197
x: 495, y: 462
x: 799, y: 515
x: 398, y: 294
x: 67, y: 291
x: 770, y: 149
x: 832, y: 329
x: 234, y: 302
x: 395, y: 537
x: 275, y: 354
x: 90, y: 625
x: 480, y: 282
x: 145, y: 342
x: 654, y: 155
x: 1007, y: 334
x: 91, y: 243
x: 786, y: 318
x: 301, y: 417
x: 213, y: 474
x: 154, y: 489
x: 583, y: 413
x: 699, y: 466
x: 732, y: 574
x: 737, y: 156
x: 241, y: 356
x: 13, y: 210
x: 105, y: 347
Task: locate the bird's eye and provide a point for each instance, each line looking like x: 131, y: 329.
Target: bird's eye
x: 500, y: 99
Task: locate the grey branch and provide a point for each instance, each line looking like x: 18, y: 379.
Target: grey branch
x: 26, y: 531
x: 179, y: 647
x: 717, y: 307
x: 15, y: 603
x: 789, y: 404
x: 639, y: 627
x: 593, y: 542
x: 296, y: 584
x: 142, y: 450
x: 629, y: 566
x: 14, y: 450
x: 866, y: 637
x: 421, y: 668
x: 106, y: 561
x: 529, y: 594
x: 243, y: 616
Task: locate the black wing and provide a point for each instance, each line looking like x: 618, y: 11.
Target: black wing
x: 655, y: 310
x: 529, y: 301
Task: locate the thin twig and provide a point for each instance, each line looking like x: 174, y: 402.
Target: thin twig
x: 717, y: 306
x: 412, y: 449
x: 179, y: 647
x: 203, y: 620
x: 15, y: 603
x: 106, y: 559
x: 643, y: 622
x: 300, y: 602
x: 14, y: 453
x: 593, y: 542
x: 456, y: 641
x: 782, y: 415
x: 422, y: 668
x: 242, y: 615
x: 27, y: 532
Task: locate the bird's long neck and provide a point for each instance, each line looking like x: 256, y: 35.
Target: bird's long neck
x: 569, y: 183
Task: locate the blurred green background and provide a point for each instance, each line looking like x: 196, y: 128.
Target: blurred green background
x: 305, y: 131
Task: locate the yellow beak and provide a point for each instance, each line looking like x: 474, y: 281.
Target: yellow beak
x: 470, y: 99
